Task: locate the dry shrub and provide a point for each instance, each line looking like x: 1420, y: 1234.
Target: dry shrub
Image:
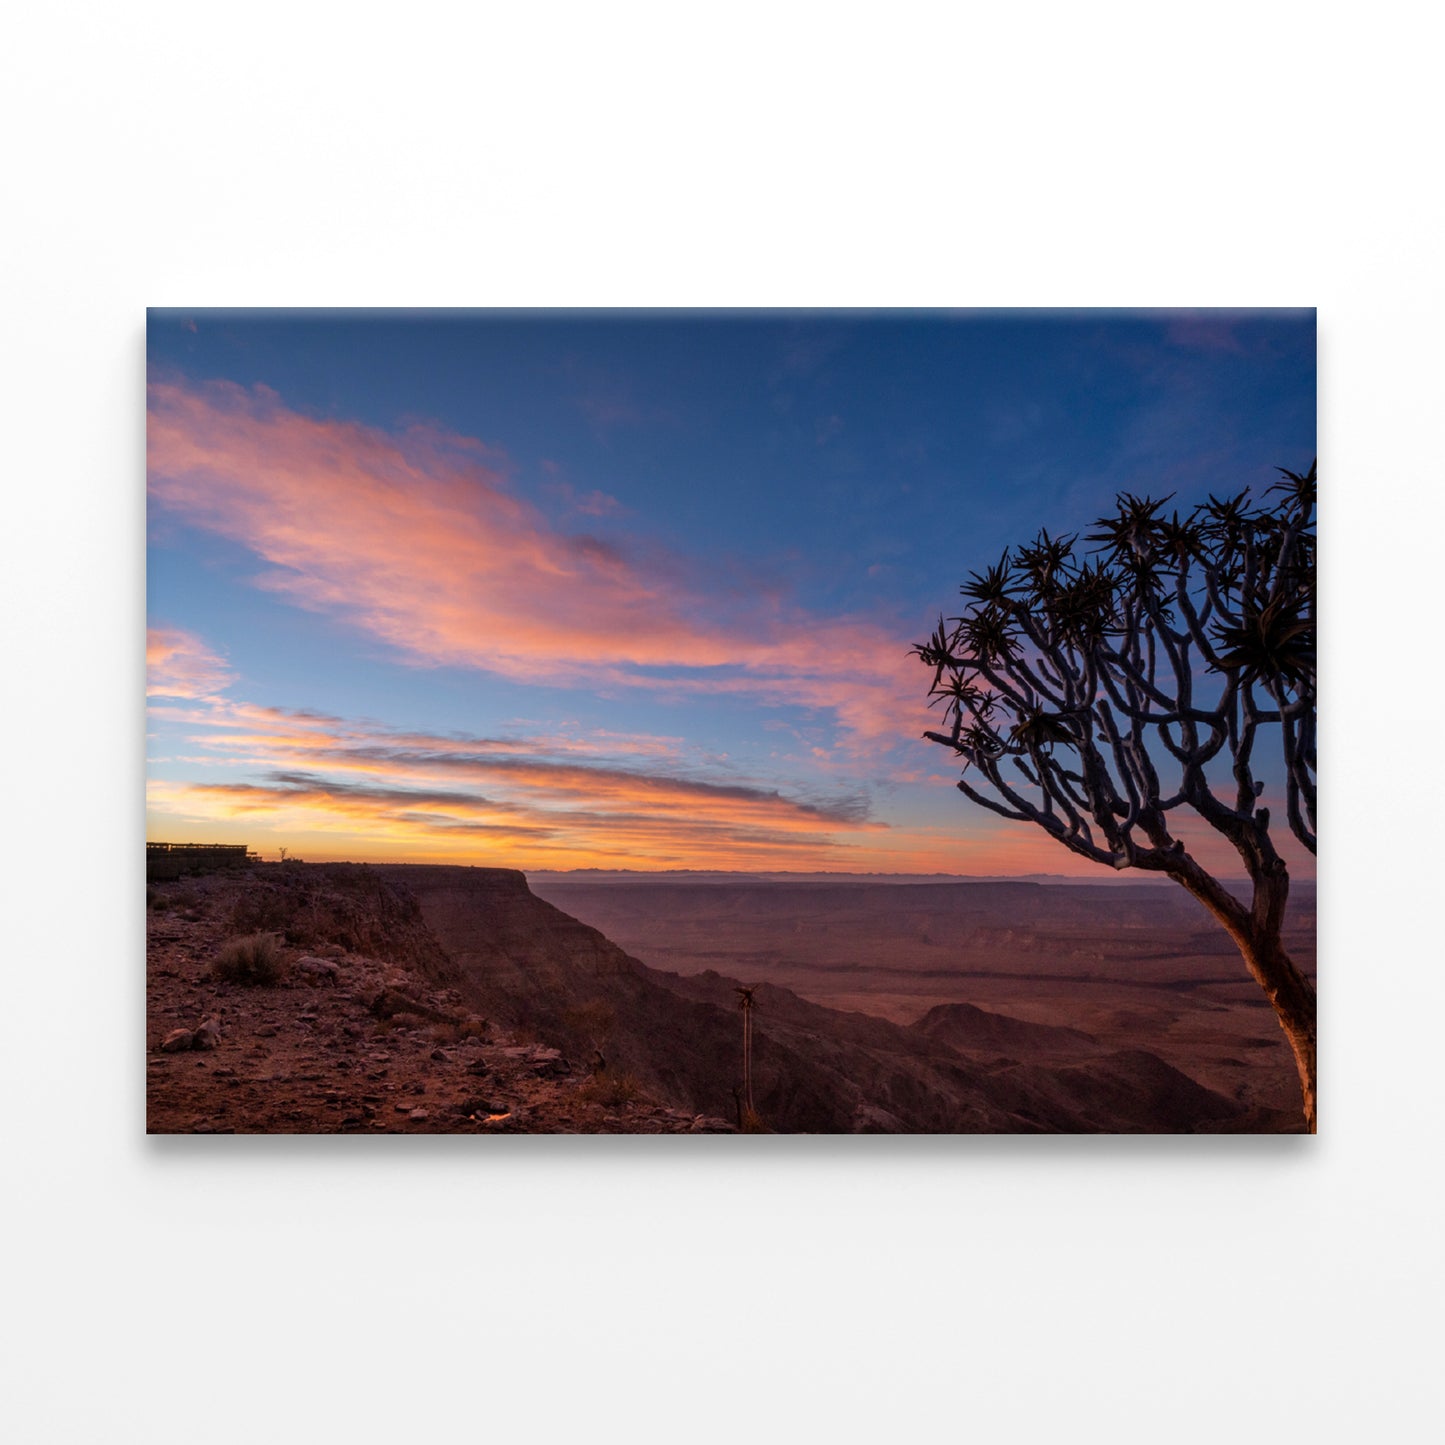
x: 459, y: 1030
x: 611, y: 1090
x: 253, y: 959
x: 401, y: 1022
x: 753, y: 1122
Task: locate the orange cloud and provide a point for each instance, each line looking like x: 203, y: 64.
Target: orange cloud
x: 362, y: 790
x: 415, y: 538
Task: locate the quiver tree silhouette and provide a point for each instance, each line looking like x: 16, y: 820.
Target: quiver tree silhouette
x: 1106, y: 694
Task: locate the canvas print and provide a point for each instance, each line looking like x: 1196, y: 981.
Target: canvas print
x: 731, y: 722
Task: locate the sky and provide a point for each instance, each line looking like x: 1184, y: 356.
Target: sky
x: 637, y: 590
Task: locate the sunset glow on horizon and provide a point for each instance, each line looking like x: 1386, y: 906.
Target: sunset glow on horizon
x: 612, y: 591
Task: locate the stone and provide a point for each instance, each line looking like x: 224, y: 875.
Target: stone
x: 317, y: 971
x: 208, y: 1035
x: 479, y: 1107
x: 439, y: 1056
x: 392, y: 1001
x: 417, y: 1114
x: 177, y: 1040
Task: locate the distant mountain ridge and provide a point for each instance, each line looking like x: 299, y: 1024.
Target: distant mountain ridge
x: 1100, y: 877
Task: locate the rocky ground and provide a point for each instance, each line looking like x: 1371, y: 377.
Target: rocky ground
x: 348, y: 1042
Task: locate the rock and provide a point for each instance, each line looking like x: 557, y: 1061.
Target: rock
x: 703, y: 1124
x: 177, y: 1040
x: 317, y: 971
x: 417, y: 1114
x: 479, y: 1108
x: 392, y: 1001
x: 440, y: 1056
x: 208, y: 1036
x: 480, y: 1067
x: 267, y: 1031
x: 330, y: 950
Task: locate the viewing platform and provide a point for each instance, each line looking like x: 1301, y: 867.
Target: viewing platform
x: 179, y: 860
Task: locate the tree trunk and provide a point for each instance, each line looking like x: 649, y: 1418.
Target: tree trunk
x: 1293, y: 998
x: 1256, y: 932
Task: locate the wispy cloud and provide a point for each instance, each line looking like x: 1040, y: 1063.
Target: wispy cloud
x: 179, y: 664
x: 542, y: 800
x: 416, y: 538
x: 584, y: 504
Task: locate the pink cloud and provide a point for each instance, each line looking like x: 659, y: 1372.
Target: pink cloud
x: 415, y: 538
x: 586, y: 504
x: 181, y: 665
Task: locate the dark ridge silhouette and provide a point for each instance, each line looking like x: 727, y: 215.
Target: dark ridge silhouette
x: 814, y: 1069
x: 964, y: 1027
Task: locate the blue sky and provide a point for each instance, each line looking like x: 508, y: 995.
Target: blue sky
x: 635, y: 590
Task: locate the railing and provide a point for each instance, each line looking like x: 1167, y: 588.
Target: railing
x: 173, y: 860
